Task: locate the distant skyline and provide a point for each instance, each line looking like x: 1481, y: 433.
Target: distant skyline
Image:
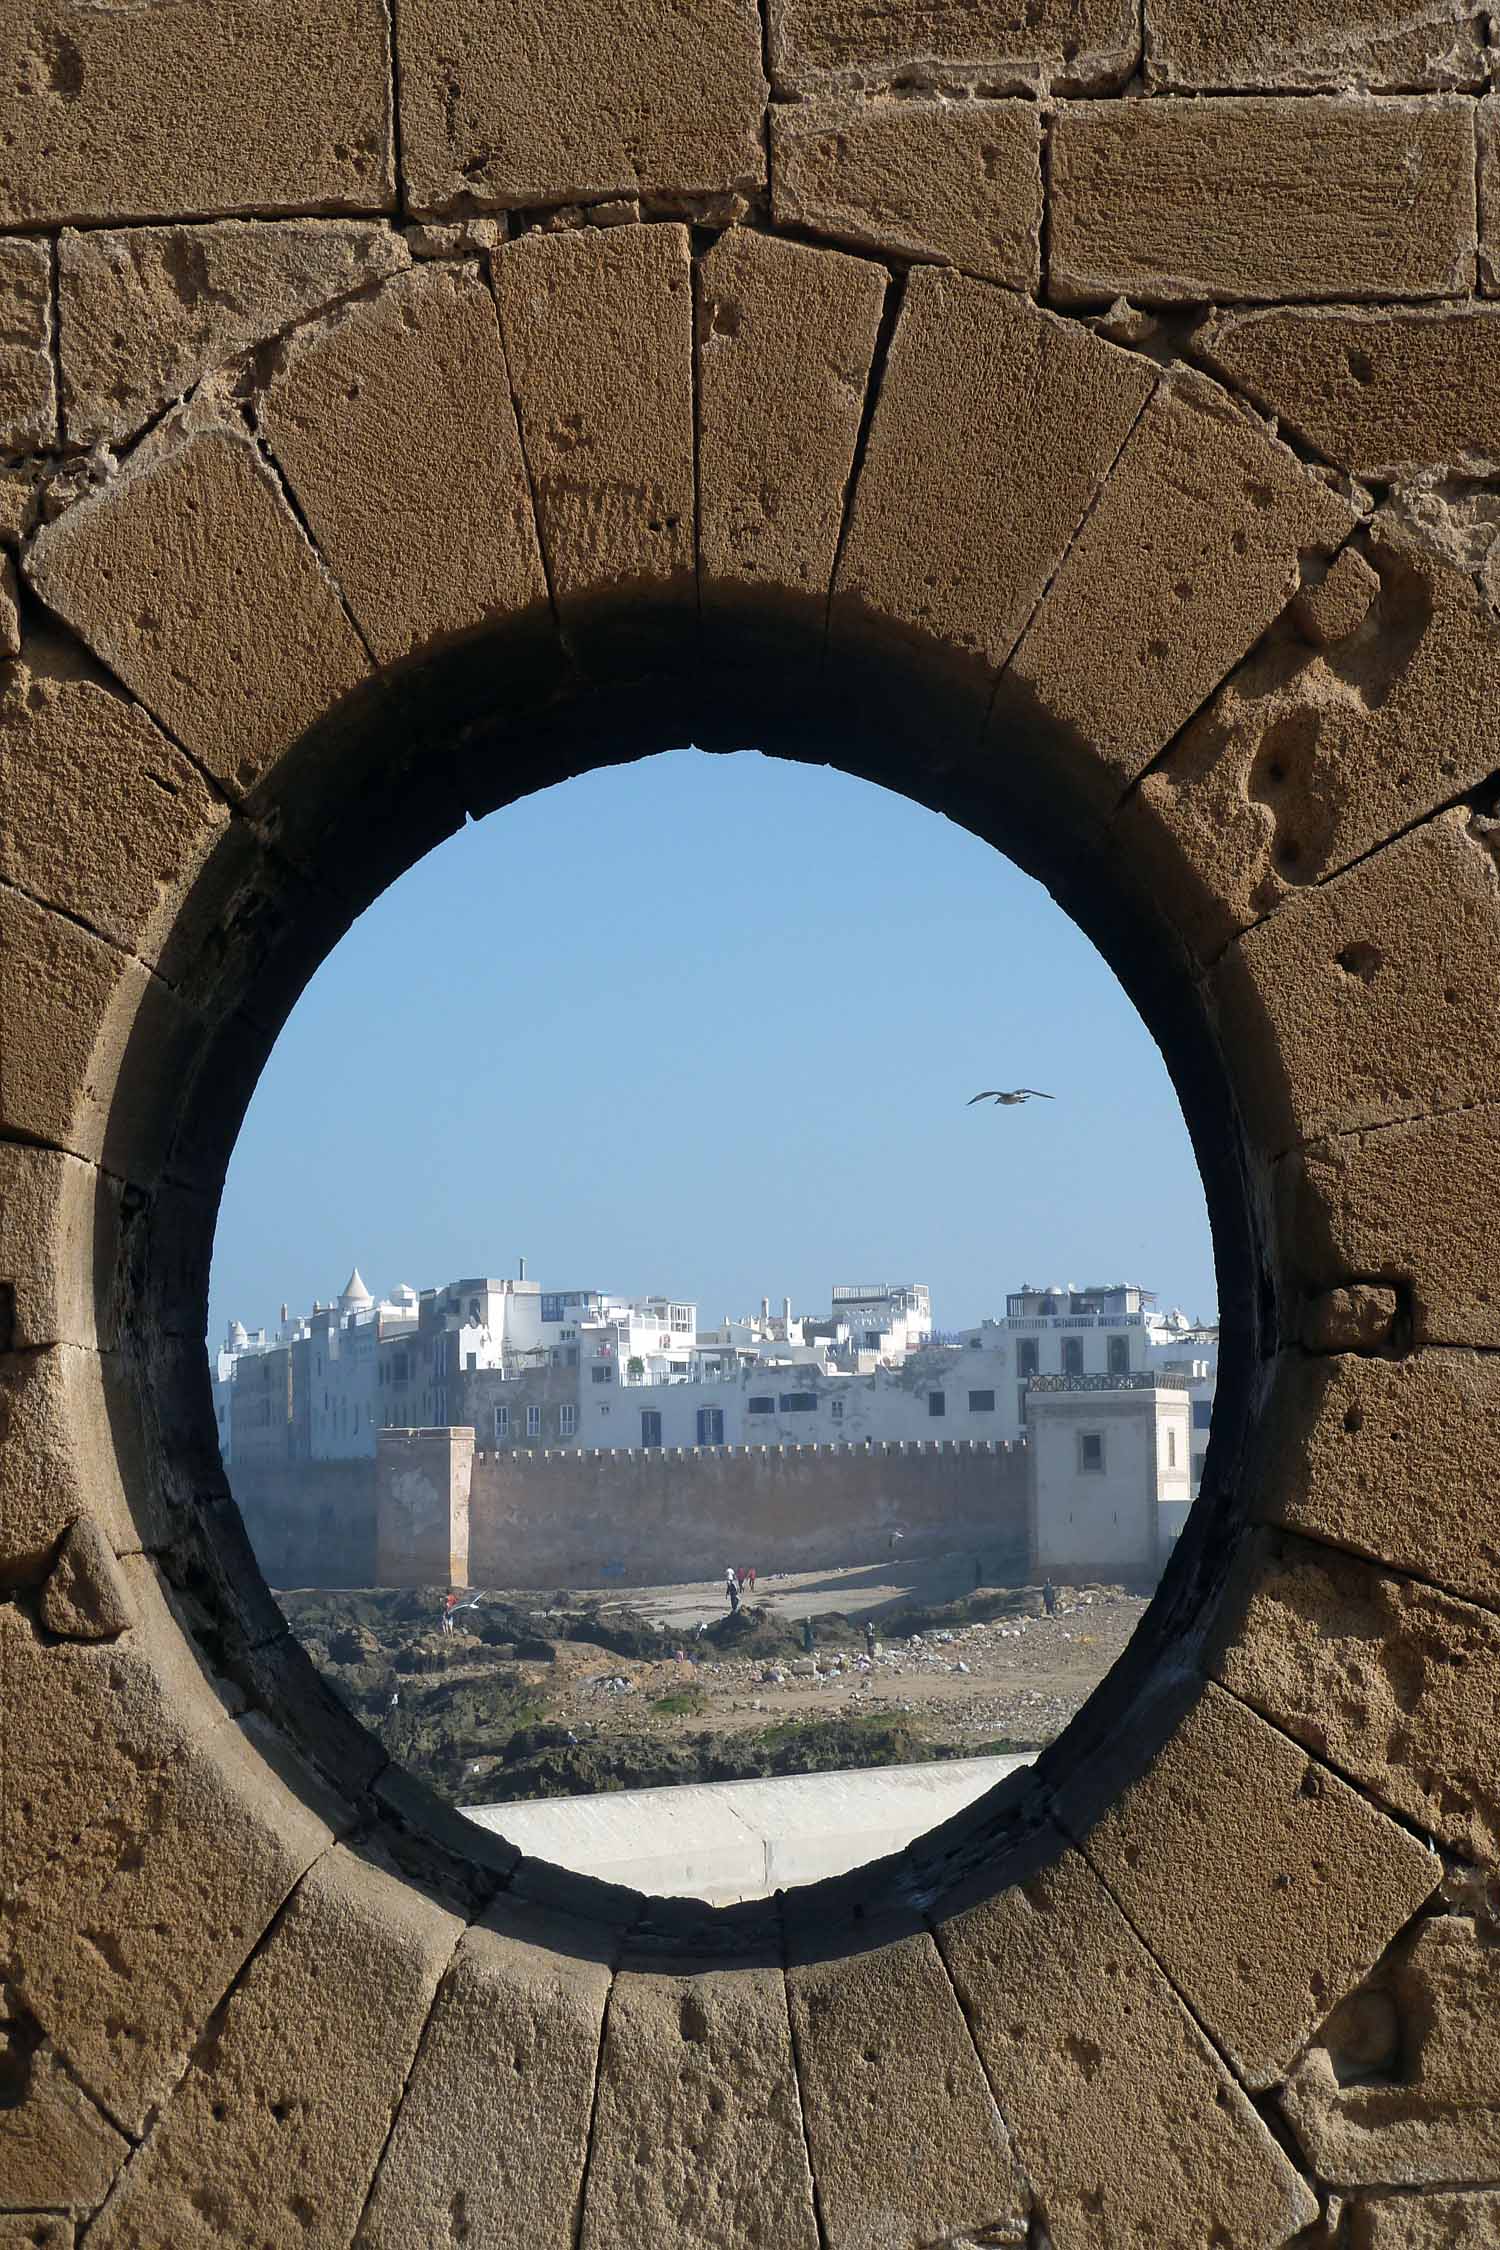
x: 710, y: 1025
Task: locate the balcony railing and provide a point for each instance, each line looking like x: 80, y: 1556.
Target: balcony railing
x: 1143, y: 1379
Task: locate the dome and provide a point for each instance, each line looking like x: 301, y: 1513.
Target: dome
x: 354, y: 1293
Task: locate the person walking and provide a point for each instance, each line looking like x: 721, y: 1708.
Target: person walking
x: 732, y: 1589
x: 1049, y: 1597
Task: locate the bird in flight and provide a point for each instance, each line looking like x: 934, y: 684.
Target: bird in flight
x: 1009, y: 1101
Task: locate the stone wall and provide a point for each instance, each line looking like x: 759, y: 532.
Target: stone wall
x: 311, y: 1523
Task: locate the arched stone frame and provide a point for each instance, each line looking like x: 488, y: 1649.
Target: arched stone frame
x: 207, y: 1916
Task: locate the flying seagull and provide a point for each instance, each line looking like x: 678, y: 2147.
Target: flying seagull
x: 1009, y: 1101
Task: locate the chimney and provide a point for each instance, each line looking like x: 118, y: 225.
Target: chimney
x: 521, y: 1270
x: 286, y: 1314
x: 765, y: 1308
x: 786, y: 1314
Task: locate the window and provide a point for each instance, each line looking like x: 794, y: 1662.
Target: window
x: 682, y: 1318
x: 1171, y: 1449
x: 651, y: 1427
x: 872, y: 1339
x: 1026, y: 1356
x: 799, y: 1402
x: 502, y: 1424
x: 710, y: 1425
x: 1119, y: 1355
x: 604, y: 1374
x: 533, y: 1421
x: 937, y: 1405
x: 1091, y: 1453
x: 760, y: 1406
x: 981, y: 1402
x: 471, y: 1362
x: 836, y: 1409
x: 1203, y: 1413
x: 567, y: 1420
x: 1072, y: 1363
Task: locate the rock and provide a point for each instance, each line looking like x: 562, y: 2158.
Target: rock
x: 28, y: 386
x: 1071, y: 46
x: 85, y: 1598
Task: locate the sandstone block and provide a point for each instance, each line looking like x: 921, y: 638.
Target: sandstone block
x: 1426, y: 2222
x: 906, y: 2143
x: 56, y: 2148
x: 1384, y: 394
x: 1400, y: 1203
x: 270, y: 2126
x: 85, y: 1597
x: 146, y: 311
x: 1307, y: 759
x: 69, y: 1446
x: 191, y: 578
x: 1286, y: 1886
x: 1400, y: 2086
x: 28, y: 385
x: 178, y: 1840
x: 1243, y: 201
x: 1393, y: 1683
x: 36, y: 2231
x: 114, y: 116
x: 697, y: 2130
x: 59, y: 1250
x: 1360, y: 1318
x: 1332, y: 608
x: 1357, y: 44
x: 18, y: 492
x: 959, y: 182
x: 598, y: 330
x: 1195, y: 546
x: 1368, y: 1000
x: 1489, y: 202
x: 786, y: 336
x: 522, y: 104
x: 494, y: 2122
x: 1070, y: 45
x: 953, y: 537
x: 105, y: 1048
x: 10, y: 612
x: 394, y: 424
x: 1125, y: 2119
x: 1391, y: 1458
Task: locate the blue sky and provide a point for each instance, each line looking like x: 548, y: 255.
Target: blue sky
x: 709, y: 1025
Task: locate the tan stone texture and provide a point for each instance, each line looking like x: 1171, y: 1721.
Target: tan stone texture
x: 272, y: 2135
x: 1489, y: 198
x: 1392, y: 1458
x: 144, y: 312
x: 1309, y: 757
x: 1069, y: 44
x: 59, y: 1245
x: 394, y: 425
x: 522, y: 103
x: 1195, y: 546
x: 785, y: 340
x: 192, y: 579
x: 1381, y: 393
x: 1361, y: 1318
x: 1426, y: 2222
x: 28, y: 380
x: 56, y: 2147
x: 1332, y: 608
x: 1246, y: 201
x: 494, y: 2123
x: 1386, y: 46
x: 1369, y: 999
x: 598, y: 329
x: 1267, y: 1912
x: 1393, y: 1683
x: 697, y: 2131
x: 37, y: 2232
x: 959, y: 182
x: 85, y: 1596
x: 272, y: 105
x: 953, y: 536
x: 1125, y: 2120
x: 906, y: 2143
x: 65, y: 1450
x: 1400, y: 1203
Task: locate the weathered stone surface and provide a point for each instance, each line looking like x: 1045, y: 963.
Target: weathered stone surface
x: 1245, y: 201
x: 1382, y: 394
x: 59, y: 1248
x: 10, y: 612
x: 494, y: 2123
x: 56, y: 2148
x: 1369, y: 999
x: 953, y: 536
x: 28, y: 382
x: 697, y: 2131
x: 1072, y: 45
x: 270, y: 2126
x: 102, y: 815
x: 1332, y: 608
x: 906, y: 2143
x: 66, y: 1428
x: 118, y: 114
x: 1401, y: 1203
x: 191, y: 578
x: 1387, y: 46
x: 1465, y: 2221
x: 1392, y: 1458
x: 39, y: 2231
x: 598, y: 330
x: 145, y: 311
x: 1305, y: 760
x: 178, y: 1840
x: 394, y: 424
x: 1195, y: 546
x: 1360, y: 1318
x: 1390, y: 1681
x: 523, y: 104
x: 1124, y: 2118
x: 1285, y: 1889
x: 1489, y: 201
x: 786, y: 336
x: 85, y: 1597
x: 959, y: 182
x: 1400, y: 2087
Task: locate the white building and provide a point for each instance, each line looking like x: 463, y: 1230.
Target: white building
x: 1109, y: 1475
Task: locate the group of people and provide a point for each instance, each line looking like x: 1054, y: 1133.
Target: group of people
x: 736, y: 1584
